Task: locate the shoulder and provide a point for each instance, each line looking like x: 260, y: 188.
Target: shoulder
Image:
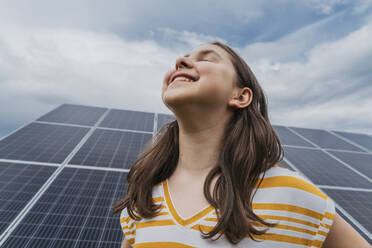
x: 293, y: 192
x: 284, y: 181
x: 290, y: 196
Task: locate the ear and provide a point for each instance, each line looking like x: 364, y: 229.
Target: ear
x: 241, y: 98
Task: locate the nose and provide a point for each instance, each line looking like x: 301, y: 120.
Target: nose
x: 183, y: 62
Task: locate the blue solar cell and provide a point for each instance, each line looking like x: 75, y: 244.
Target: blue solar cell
x: 130, y: 120
x: 18, y: 187
x: 74, y: 114
x: 164, y: 119
x: 322, y: 169
x: 325, y: 139
x: 79, y: 214
x: 289, y: 138
x: 359, y: 161
x: 361, y: 139
x: 114, y: 149
x: 357, y: 203
x: 42, y: 142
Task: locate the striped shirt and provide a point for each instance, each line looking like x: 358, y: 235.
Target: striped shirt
x: 304, y: 213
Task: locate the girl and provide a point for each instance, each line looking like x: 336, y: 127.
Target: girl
x: 210, y: 178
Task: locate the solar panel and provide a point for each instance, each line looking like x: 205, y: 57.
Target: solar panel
x: 325, y: 139
x: 289, y: 138
x: 41, y: 142
x: 361, y: 139
x: 360, y: 161
x: 74, y: 114
x: 129, y: 120
x: 73, y: 212
x: 164, y: 119
x: 18, y: 184
x: 322, y: 169
x: 69, y: 176
x: 108, y: 148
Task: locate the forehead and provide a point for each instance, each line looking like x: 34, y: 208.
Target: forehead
x: 210, y: 47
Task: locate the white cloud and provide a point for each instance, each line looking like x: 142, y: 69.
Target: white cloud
x: 51, y: 66
x: 329, y: 88
x: 191, y: 39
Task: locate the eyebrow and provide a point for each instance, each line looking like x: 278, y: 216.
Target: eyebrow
x: 204, y: 52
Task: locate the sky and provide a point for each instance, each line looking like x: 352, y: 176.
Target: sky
x: 313, y: 58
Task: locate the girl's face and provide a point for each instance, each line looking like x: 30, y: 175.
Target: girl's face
x: 213, y: 84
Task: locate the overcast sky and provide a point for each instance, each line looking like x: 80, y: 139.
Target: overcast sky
x: 313, y: 58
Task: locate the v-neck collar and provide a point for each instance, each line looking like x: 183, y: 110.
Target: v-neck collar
x: 184, y: 222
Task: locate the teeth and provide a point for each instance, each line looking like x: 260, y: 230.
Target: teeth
x: 183, y: 79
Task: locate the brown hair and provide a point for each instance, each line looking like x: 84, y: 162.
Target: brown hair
x: 250, y: 146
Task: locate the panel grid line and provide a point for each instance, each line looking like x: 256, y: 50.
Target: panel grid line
x: 91, y: 207
x: 334, y: 157
x: 105, y: 128
x: 51, y: 208
x: 45, y: 186
x: 343, y: 188
x: 351, y: 142
x: 328, y: 149
x: 107, y: 215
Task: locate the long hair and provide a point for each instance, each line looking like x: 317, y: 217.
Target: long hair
x: 250, y: 146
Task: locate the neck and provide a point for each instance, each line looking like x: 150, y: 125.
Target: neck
x: 199, y: 149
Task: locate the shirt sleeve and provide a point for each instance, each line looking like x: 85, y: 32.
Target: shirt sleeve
x: 128, y: 225
x: 326, y: 222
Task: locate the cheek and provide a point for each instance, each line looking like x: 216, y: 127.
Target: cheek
x: 215, y: 88
x: 217, y: 80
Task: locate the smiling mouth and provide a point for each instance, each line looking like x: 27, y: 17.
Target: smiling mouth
x: 182, y: 79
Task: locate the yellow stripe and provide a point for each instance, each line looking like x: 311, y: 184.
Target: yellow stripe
x: 130, y: 233
x: 174, y: 212
x: 161, y: 213
x: 329, y: 215
x: 282, y: 238
x: 290, y: 219
x: 325, y: 225
x: 292, y: 182
x: 202, y: 227
x: 323, y: 233
x: 211, y: 219
x: 124, y: 220
x: 154, y: 223
x: 158, y: 199
x: 129, y: 227
x: 161, y: 244
x: 288, y: 207
x: 317, y: 243
x: 287, y: 227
